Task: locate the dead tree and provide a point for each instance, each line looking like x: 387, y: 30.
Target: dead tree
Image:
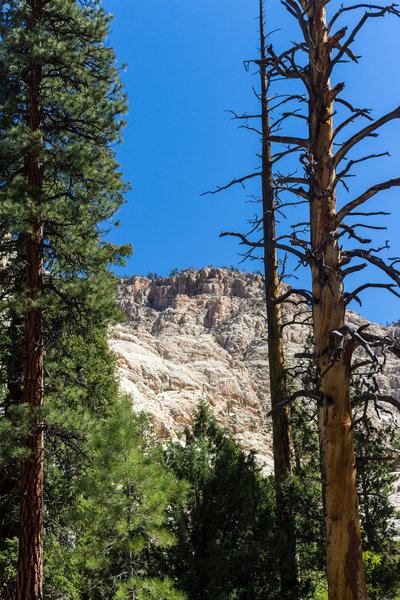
x: 265, y: 228
x: 288, y: 560
x: 311, y: 62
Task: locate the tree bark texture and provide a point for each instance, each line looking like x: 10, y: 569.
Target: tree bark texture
x: 288, y: 559
x: 30, y: 559
x: 345, y: 569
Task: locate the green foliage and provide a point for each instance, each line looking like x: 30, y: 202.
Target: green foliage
x: 173, y: 272
x: 106, y: 491
x: 123, y: 509
x: 80, y: 385
x: 61, y: 574
x: 82, y: 102
x: 305, y: 494
x: 374, y: 483
x: 8, y: 559
x: 149, y: 589
x: 382, y: 573
x: 225, y: 531
x: 372, y: 446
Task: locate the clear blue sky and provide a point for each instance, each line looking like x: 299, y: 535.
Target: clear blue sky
x: 184, y: 70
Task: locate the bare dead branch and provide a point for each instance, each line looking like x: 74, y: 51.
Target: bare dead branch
x: 292, y: 398
x: 282, y: 139
x: 352, y: 234
x: 344, y: 9
x: 353, y: 269
x: 243, y: 116
x: 306, y: 319
x: 356, y: 113
x: 348, y: 297
x: 391, y: 344
x: 351, y: 163
x: 364, y: 111
x: 366, y: 196
x: 293, y: 8
x: 380, y: 12
x: 257, y: 131
x: 297, y: 191
x: 367, y: 131
x: 233, y: 182
x: 288, y: 98
x: 374, y: 260
x: 277, y: 157
x: 243, y: 239
x: 298, y: 292
x: 291, y: 179
x: 380, y: 397
x: 368, y: 214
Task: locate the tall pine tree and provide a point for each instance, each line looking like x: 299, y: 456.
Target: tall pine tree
x: 60, y: 102
x: 125, y: 507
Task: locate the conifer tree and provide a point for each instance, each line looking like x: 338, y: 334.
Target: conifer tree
x: 126, y: 491
x: 60, y: 102
x: 227, y: 543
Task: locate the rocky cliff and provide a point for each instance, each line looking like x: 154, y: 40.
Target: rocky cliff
x: 202, y: 334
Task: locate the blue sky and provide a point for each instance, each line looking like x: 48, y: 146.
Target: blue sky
x: 185, y: 69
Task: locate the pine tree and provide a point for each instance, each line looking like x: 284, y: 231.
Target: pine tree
x: 60, y: 101
x: 125, y: 494
x: 227, y: 542
x: 81, y: 385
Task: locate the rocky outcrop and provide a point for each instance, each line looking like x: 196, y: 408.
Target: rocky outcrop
x: 203, y: 334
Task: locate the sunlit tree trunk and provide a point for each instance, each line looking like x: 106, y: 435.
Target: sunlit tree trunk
x: 345, y: 569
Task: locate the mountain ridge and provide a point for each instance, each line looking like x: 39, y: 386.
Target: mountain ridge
x: 203, y: 334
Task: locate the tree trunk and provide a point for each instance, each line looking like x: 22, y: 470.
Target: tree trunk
x: 345, y: 569
x: 129, y: 554
x: 288, y: 558
x: 30, y: 559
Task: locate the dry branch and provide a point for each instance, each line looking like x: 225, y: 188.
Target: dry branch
x: 233, y: 182
x: 367, y: 131
x: 379, y: 187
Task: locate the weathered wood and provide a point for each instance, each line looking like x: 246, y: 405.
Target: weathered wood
x: 288, y: 560
x: 345, y: 569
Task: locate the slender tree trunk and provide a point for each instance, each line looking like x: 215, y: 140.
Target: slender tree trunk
x: 345, y: 569
x: 30, y: 559
x: 129, y: 554
x: 289, y: 564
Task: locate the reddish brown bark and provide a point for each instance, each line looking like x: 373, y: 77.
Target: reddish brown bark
x: 345, y: 569
x: 289, y: 567
x: 30, y: 559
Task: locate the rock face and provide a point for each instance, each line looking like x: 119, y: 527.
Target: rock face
x: 202, y: 334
